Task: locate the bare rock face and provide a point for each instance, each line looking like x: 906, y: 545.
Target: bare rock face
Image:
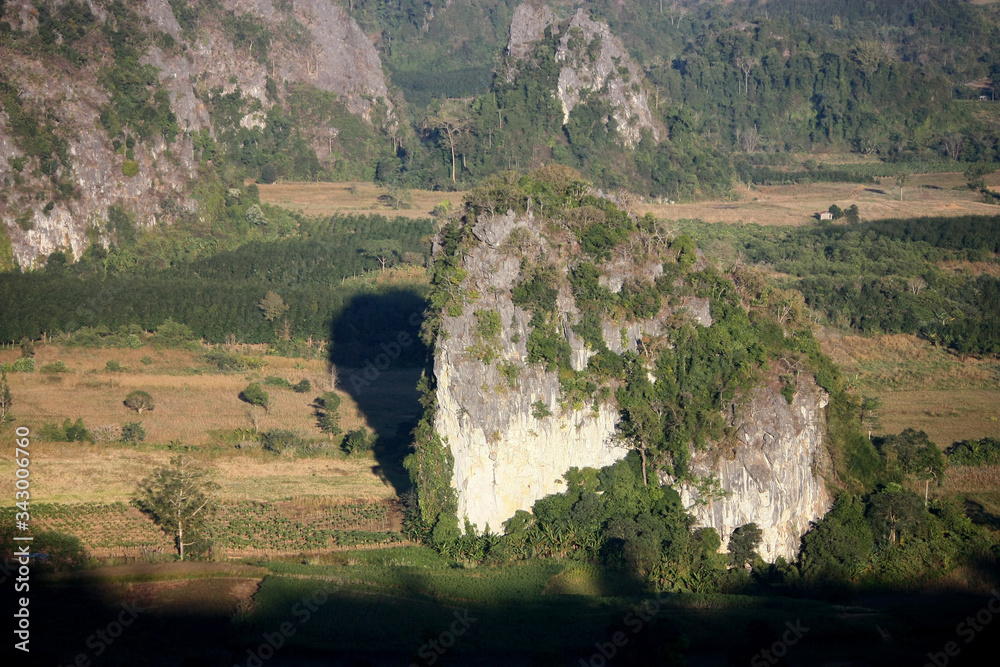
x: 513, y: 435
x: 593, y: 61
x: 508, y: 453
x: 75, y: 100
x: 333, y: 55
x: 527, y: 26
x: 773, y: 476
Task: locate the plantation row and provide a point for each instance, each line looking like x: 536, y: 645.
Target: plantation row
x: 120, y: 526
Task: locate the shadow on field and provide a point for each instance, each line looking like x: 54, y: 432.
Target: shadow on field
x: 980, y: 515
x: 379, y: 356
x: 420, y: 615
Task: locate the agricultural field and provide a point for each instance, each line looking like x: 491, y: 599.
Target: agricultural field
x: 325, y: 199
x: 934, y: 194
x: 921, y: 386
x: 236, y: 529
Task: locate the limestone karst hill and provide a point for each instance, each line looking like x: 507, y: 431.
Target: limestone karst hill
x: 567, y: 332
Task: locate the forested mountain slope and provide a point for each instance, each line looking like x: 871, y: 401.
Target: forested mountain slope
x: 118, y: 115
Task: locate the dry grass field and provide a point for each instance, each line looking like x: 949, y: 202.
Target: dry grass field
x: 923, y: 195
x: 325, y: 199
x: 194, y: 406
x: 922, y: 386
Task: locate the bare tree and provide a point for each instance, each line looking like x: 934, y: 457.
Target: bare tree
x: 915, y: 285
x: 749, y: 139
x: 746, y: 65
x: 952, y: 145
x: 452, y: 121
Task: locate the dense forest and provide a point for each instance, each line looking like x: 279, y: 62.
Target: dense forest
x: 743, y: 81
x: 880, y: 78
x: 322, y: 272
x: 885, y: 276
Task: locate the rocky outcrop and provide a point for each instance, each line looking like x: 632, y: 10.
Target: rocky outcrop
x: 592, y: 62
x: 508, y: 452
x: 513, y: 435
x: 773, y: 475
x: 316, y: 43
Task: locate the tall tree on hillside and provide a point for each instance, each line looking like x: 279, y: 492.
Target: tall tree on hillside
x: 451, y: 120
x: 178, y: 498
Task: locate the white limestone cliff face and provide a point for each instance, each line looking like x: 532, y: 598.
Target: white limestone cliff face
x: 506, y: 457
x: 593, y: 62
x: 774, y: 475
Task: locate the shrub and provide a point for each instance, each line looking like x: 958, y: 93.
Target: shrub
x: 23, y: 365
x: 233, y: 361
x: 274, y: 381
x: 115, y: 366
x: 281, y: 440
x: 27, y: 348
x: 302, y: 386
x: 146, y: 360
x: 130, y: 168
x: 539, y: 410
x: 173, y: 334
x: 55, y: 367
x: 254, y: 394
x: 133, y: 433
x: 139, y: 400
x: 359, y: 441
x: 985, y: 452
x: 72, y: 432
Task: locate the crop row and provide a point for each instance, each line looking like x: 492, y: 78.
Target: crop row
x: 241, y: 525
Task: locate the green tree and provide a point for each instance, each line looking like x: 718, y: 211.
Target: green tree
x: 139, y: 400
x: 178, y: 498
x: 273, y: 306
x: 911, y: 453
x: 894, y: 514
x: 743, y: 544
x: 901, y: 179
x: 328, y: 414
x: 254, y: 394
x: 385, y: 251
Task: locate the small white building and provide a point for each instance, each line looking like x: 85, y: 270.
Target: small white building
x: 824, y: 215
